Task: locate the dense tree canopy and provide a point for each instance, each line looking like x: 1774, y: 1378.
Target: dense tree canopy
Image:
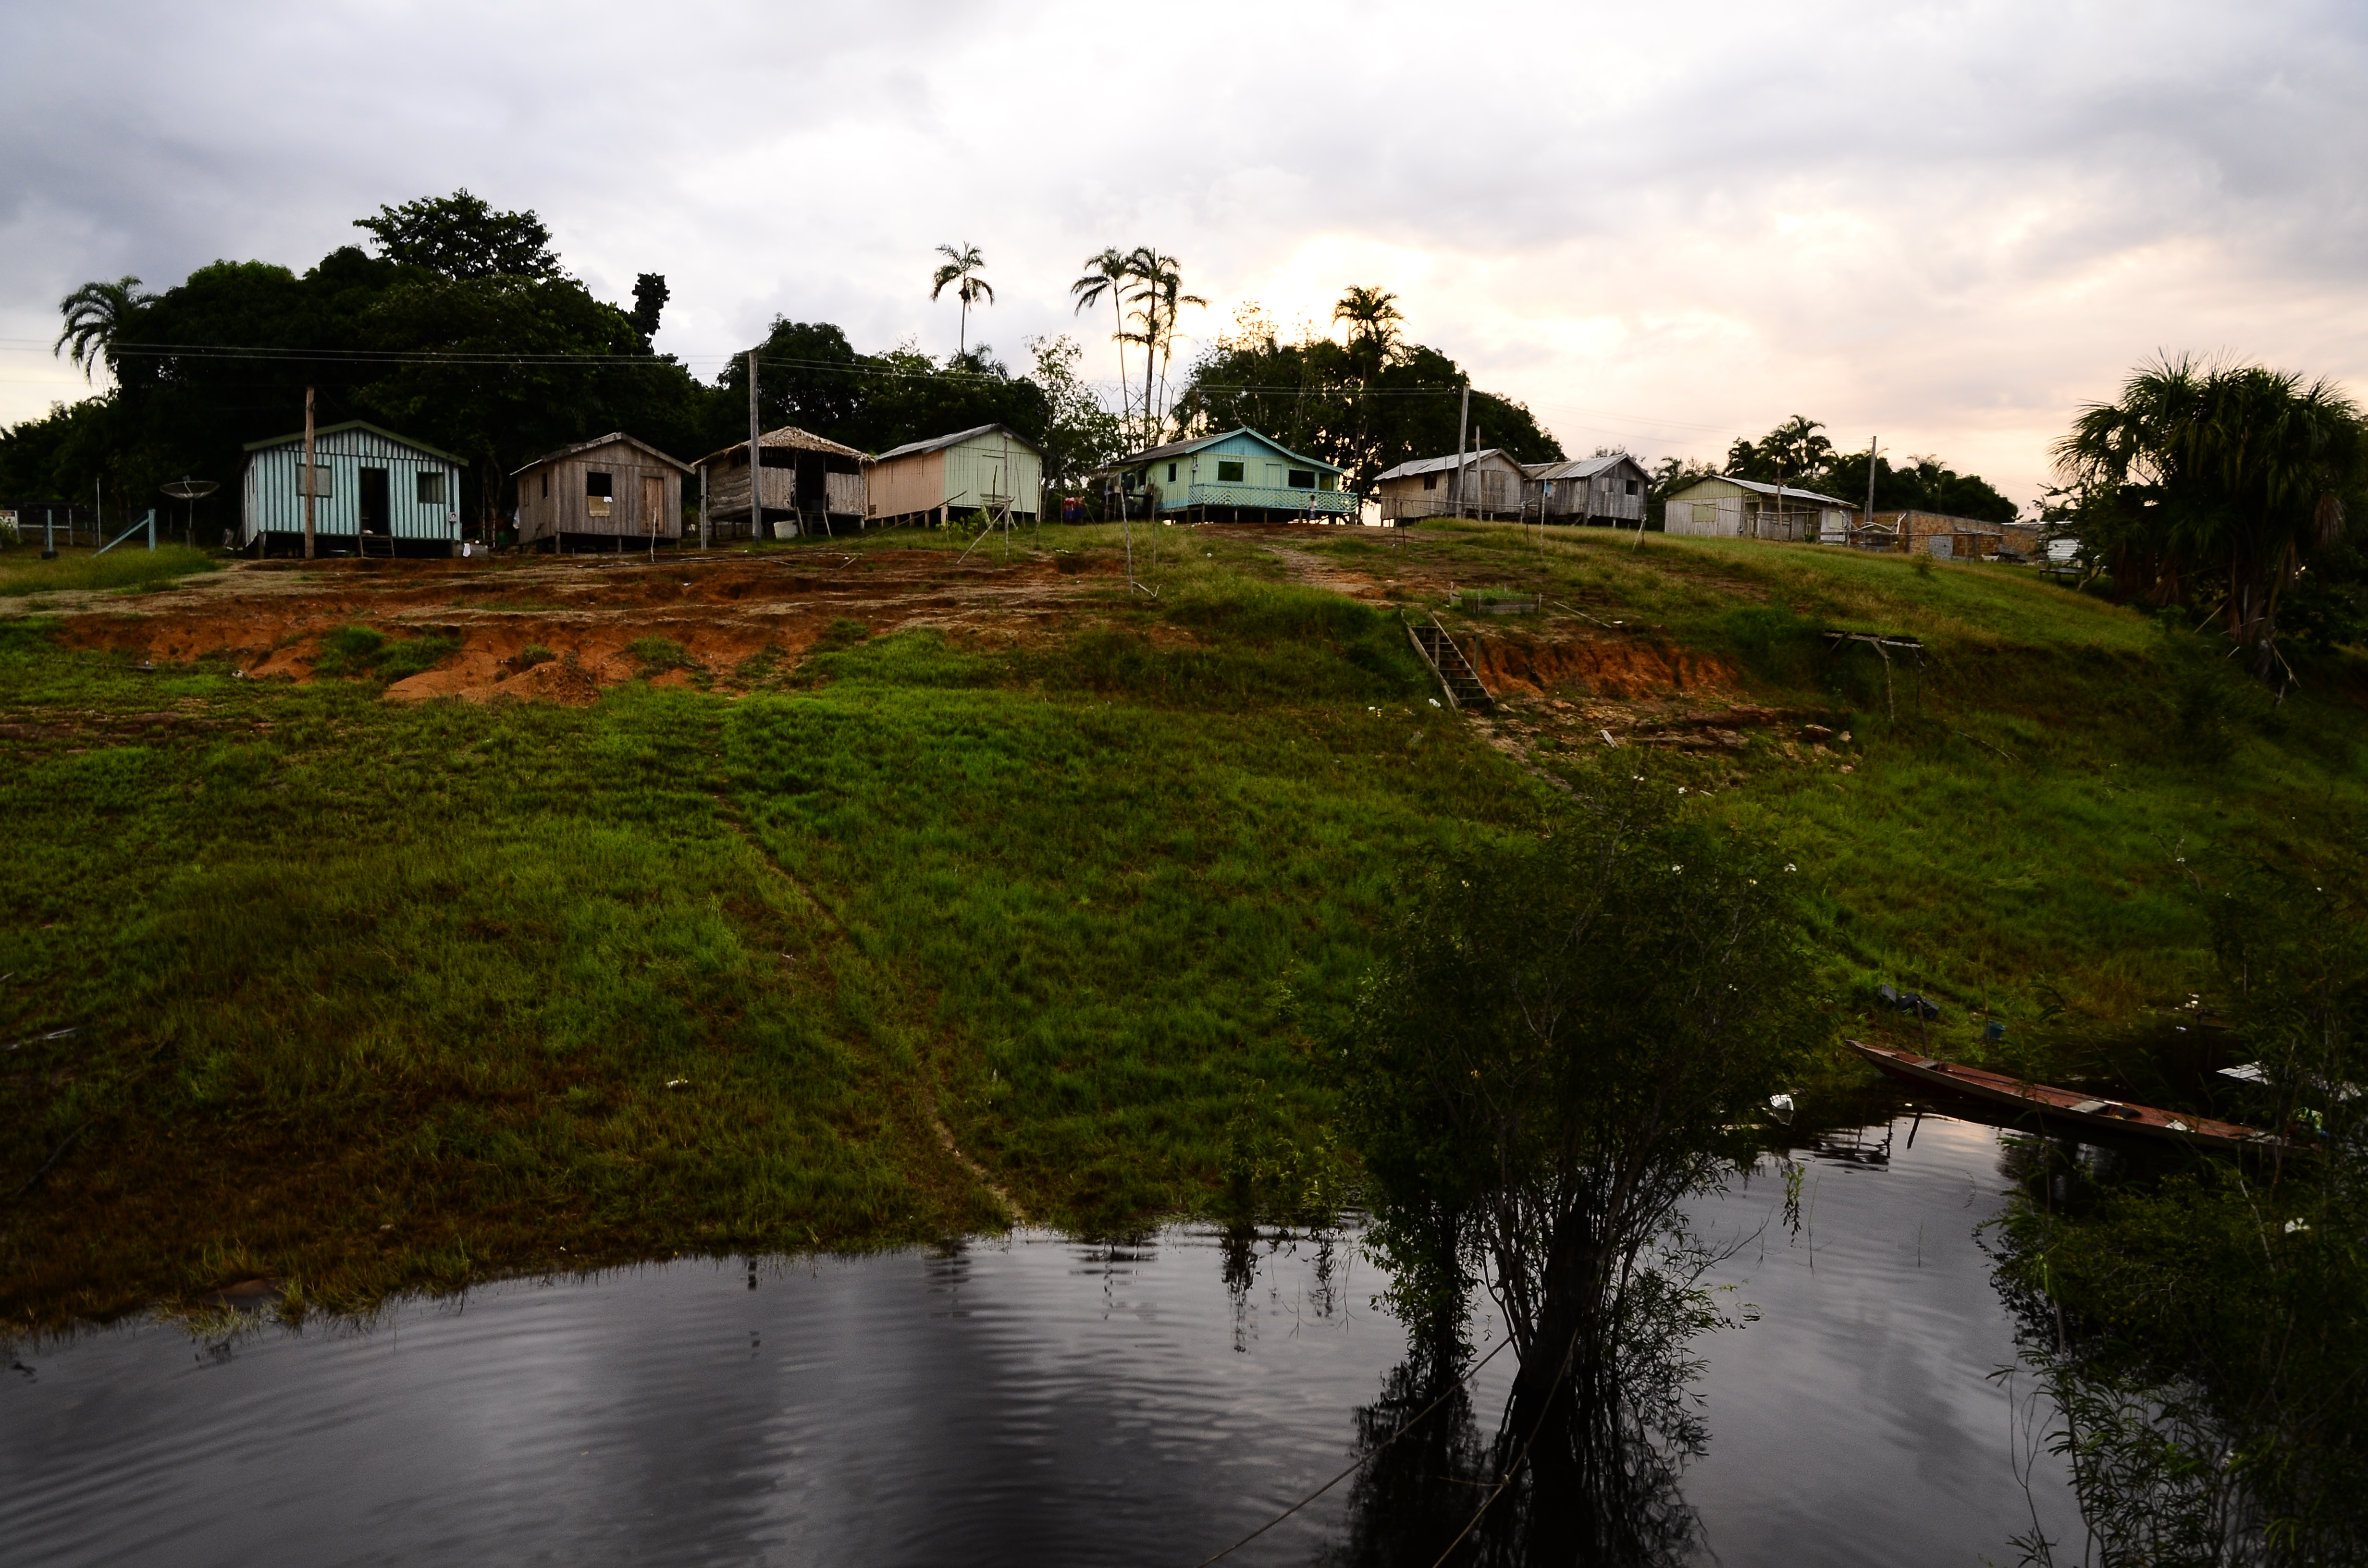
x: 460, y: 236
x: 1797, y: 452
x: 2226, y: 487
x: 465, y: 333
x: 1366, y: 404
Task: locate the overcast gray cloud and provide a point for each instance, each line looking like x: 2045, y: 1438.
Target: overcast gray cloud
x: 1662, y: 226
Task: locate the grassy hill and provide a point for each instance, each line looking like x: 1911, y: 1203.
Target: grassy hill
x: 934, y: 919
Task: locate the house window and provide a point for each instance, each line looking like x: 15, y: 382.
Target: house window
x: 1171, y: 473
x: 324, y: 479
x: 1302, y: 479
x: 546, y: 484
x: 598, y: 495
x: 431, y: 489
x: 1430, y: 482
x: 1632, y: 487
x: 1228, y: 474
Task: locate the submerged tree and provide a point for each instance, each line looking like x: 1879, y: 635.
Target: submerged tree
x: 1556, y: 1054
x: 2216, y: 485
x: 2201, y: 1333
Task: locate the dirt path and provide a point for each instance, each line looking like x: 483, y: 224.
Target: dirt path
x: 1314, y: 572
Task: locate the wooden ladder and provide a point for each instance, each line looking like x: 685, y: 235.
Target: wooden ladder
x: 1447, y: 661
x: 380, y: 545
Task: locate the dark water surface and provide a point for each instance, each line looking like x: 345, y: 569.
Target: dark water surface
x: 1033, y: 1401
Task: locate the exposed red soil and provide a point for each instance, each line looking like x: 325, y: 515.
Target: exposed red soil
x: 584, y: 614
x: 1589, y: 663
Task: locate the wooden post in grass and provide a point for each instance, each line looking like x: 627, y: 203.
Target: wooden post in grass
x: 1871, y: 445
x: 1462, y: 428
x: 755, y: 423
x: 312, y: 474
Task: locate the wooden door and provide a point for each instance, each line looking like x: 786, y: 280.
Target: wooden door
x: 375, y: 510
x: 653, y: 503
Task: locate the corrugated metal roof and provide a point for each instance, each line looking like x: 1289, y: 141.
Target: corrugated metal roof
x: 790, y: 435
x: 321, y: 430
x: 600, y: 441
x: 914, y: 448
x: 1440, y: 465
x: 1580, y: 468
x: 1792, y: 491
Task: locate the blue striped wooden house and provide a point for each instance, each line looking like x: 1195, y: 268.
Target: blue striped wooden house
x: 372, y: 482
x: 1240, y: 476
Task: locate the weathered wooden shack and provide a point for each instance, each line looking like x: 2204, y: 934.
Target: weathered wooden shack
x: 602, y: 491
x: 1607, y: 491
x: 1238, y: 476
x: 983, y: 469
x: 812, y: 484
x: 373, y: 489
x: 1485, y: 483
x: 1722, y: 508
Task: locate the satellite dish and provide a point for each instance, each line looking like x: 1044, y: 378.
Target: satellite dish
x: 191, y: 491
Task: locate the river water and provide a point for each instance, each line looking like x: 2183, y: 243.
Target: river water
x: 1031, y: 1401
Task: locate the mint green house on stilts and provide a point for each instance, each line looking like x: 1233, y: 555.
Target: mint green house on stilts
x: 1239, y: 477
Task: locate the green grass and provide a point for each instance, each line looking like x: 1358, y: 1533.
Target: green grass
x: 128, y: 565
x: 374, y: 996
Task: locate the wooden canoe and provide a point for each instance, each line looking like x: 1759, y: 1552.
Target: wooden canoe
x: 2067, y: 1107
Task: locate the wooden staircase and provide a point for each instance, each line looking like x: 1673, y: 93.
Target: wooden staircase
x: 380, y: 546
x: 1447, y: 661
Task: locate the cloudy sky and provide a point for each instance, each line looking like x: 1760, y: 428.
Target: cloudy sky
x: 1662, y: 226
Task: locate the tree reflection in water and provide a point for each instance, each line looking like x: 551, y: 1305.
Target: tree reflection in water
x: 1571, y: 1033
x: 1591, y: 1478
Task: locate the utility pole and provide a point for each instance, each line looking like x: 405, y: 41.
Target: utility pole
x: 1462, y: 428
x: 702, y: 507
x: 755, y: 430
x: 312, y: 474
x: 1871, y: 445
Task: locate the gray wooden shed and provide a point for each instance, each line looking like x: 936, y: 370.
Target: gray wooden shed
x: 371, y: 482
x: 1610, y: 490
x: 609, y: 489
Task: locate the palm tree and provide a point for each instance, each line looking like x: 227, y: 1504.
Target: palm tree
x: 2238, y: 472
x: 1371, y: 315
x: 96, y: 316
x: 961, y: 267
x: 1158, y: 296
x: 1107, y: 276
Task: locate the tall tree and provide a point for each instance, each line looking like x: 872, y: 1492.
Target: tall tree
x: 96, y: 316
x: 1158, y: 296
x: 960, y: 269
x: 1374, y: 320
x: 650, y: 296
x: 2217, y: 482
x: 1106, y: 278
x: 460, y: 237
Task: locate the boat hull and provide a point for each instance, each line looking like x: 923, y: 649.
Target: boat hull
x: 2067, y: 1107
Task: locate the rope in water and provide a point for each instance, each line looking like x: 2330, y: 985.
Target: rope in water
x: 1362, y: 1460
